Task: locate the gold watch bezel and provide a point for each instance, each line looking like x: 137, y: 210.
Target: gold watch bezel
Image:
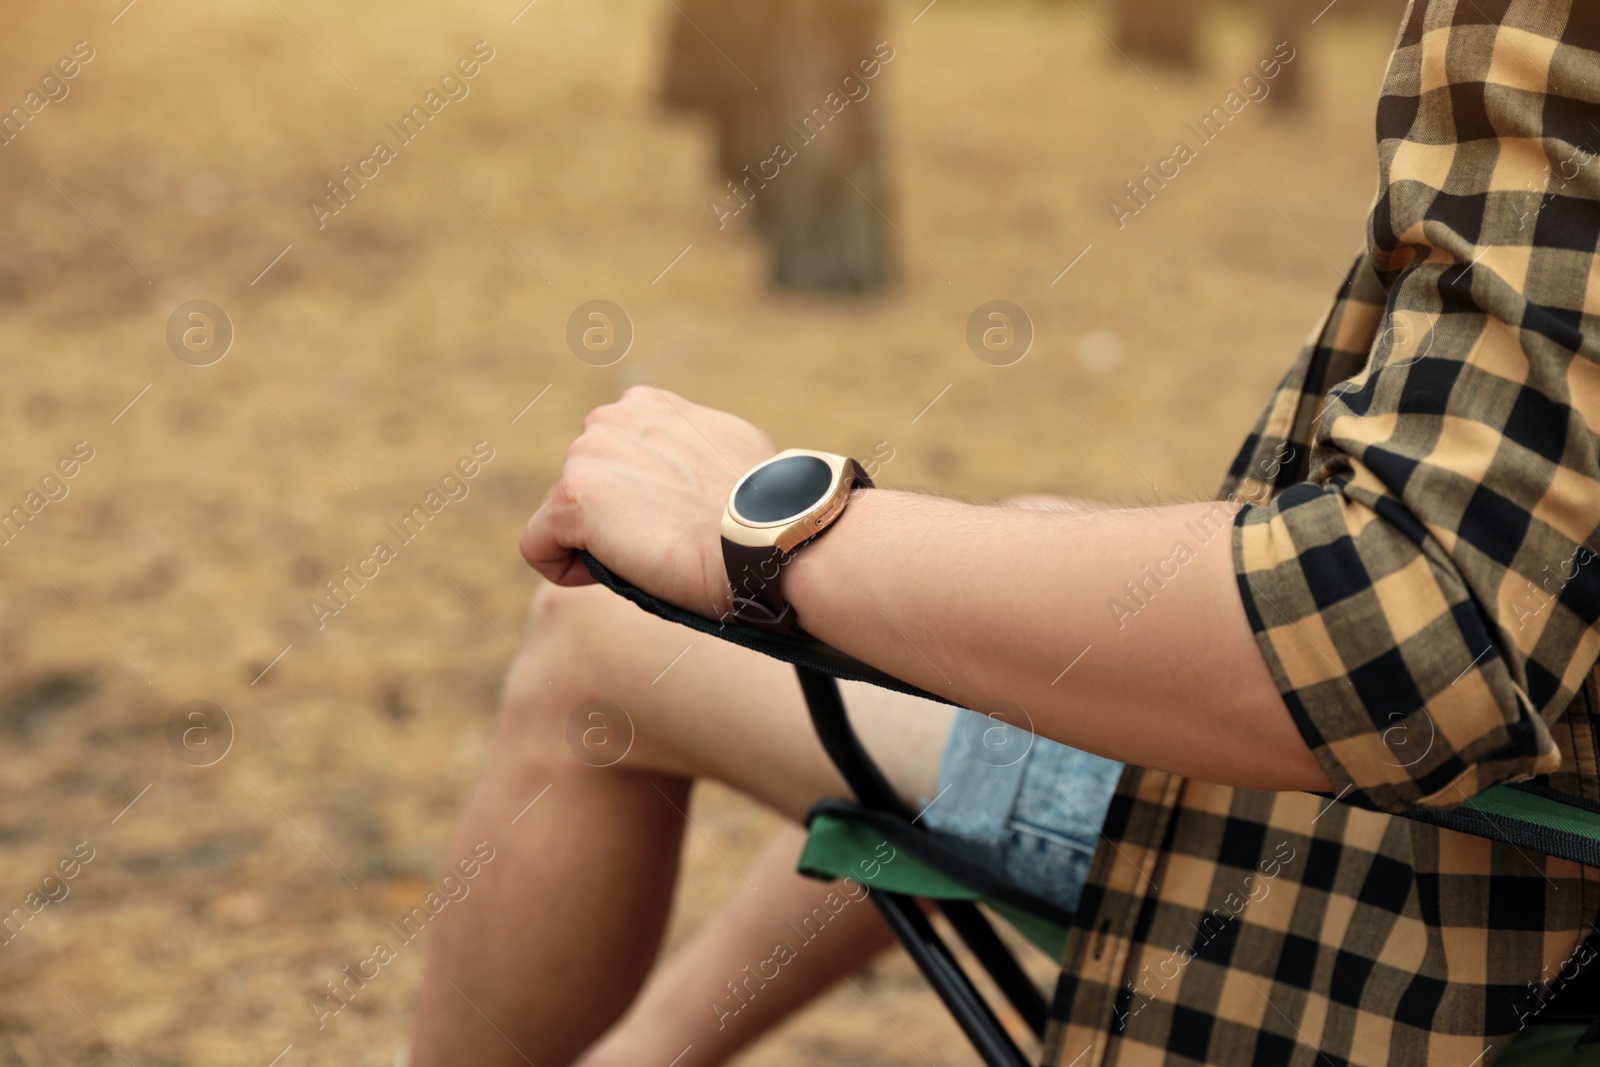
x: 788, y: 534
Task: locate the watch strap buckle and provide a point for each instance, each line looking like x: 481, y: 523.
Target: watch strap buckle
x: 754, y: 613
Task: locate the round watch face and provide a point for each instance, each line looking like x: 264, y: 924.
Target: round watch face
x: 783, y: 489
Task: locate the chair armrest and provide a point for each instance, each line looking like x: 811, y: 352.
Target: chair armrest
x: 799, y: 650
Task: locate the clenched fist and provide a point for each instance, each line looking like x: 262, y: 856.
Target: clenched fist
x: 643, y: 489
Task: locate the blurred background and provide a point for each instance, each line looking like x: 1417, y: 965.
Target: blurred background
x: 268, y: 357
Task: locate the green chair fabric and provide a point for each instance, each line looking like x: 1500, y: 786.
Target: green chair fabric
x: 1551, y: 822
x: 1542, y: 1045
x: 840, y: 847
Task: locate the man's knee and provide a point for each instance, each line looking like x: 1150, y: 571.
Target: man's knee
x: 555, y: 616
x: 580, y: 650
x: 554, y: 664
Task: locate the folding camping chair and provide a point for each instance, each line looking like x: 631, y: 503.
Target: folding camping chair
x: 843, y: 837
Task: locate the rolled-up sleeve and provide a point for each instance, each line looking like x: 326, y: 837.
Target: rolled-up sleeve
x: 1427, y: 598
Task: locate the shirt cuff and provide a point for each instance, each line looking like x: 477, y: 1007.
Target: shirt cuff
x: 1390, y: 671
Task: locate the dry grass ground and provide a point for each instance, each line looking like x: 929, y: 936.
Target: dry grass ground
x: 182, y: 560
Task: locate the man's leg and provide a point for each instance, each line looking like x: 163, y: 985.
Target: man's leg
x: 565, y: 922
x: 686, y: 1015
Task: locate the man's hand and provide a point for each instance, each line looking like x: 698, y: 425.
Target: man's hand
x: 643, y: 489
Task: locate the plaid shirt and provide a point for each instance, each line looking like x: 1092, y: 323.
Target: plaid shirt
x: 1415, y: 555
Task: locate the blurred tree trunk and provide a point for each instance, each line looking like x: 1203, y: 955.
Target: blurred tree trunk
x: 1163, y: 31
x: 761, y: 69
x: 1285, y: 21
x: 1168, y: 32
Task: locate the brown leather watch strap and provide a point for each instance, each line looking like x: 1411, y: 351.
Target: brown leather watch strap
x: 753, y: 574
x: 756, y: 575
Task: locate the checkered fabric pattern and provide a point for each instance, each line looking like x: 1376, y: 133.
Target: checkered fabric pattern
x: 1415, y: 550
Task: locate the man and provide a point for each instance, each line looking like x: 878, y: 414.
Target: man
x: 1392, y: 605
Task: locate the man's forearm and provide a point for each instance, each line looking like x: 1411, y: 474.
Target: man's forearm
x: 1120, y: 631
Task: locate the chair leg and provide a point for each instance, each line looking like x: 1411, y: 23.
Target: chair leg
x: 944, y: 974
x: 872, y: 790
x: 979, y: 936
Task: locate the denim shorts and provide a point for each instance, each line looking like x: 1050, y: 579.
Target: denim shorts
x: 1029, y: 808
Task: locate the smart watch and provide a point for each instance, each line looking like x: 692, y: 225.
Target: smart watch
x: 773, y: 510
